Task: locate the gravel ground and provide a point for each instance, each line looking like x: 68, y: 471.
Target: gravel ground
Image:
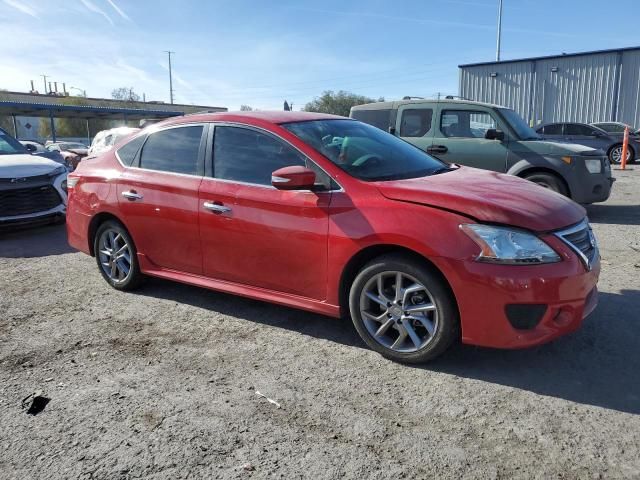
x: 162, y: 383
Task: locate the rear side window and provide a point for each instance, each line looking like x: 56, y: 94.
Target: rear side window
x: 416, y: 122
x: 127, y: 153
x: 555, y: 129
x: 465, y: 123
x: 577, y: 129
x: 246, y: 155
x: 174, y: 150
x: 377, y: 118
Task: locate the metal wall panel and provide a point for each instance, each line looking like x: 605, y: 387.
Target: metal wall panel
x: 601, y: 86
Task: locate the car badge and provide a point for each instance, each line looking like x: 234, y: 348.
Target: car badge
x: 19, y: 180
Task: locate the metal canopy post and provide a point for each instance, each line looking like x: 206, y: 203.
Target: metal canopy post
x: 15, y: 127
x: 88, y: 134
x: 53, y: 126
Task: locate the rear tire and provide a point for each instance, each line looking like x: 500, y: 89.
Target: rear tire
x: 549, y: 181
x: 412, y: 323
x: 615, y: 154
x: 116, y: 256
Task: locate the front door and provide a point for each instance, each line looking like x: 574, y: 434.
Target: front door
x: 459, y: 137
x: 254, y: 234
x: 158, y: 198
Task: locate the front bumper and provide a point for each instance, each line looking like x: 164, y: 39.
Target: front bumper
x: 44, y: 216
x: 485, y: 291
x: 588, y: 187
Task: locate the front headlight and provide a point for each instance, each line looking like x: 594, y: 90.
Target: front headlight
x: 509, y: 245
x: 58, y: 171
x: 594, y: 165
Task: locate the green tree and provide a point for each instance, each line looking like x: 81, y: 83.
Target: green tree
x: 246, y: 108
x: 337, y: 103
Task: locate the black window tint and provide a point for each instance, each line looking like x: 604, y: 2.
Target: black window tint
x: 246, y: 155
x: 555, y: 129
x: 127, y: 153
x: 416, y: 122
x: 173, y: 150
x: 377, y: 118
x: 465, y: 123
x: 577, y: 129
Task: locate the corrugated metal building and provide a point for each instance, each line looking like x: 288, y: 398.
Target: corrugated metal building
x: 584, y: 87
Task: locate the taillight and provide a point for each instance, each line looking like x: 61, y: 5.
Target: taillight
x: 70, y: 182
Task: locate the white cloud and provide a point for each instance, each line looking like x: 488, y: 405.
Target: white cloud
x: 22, y: 7
x: 94, y: 8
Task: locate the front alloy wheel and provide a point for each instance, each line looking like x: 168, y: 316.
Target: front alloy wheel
x: 403, y: 309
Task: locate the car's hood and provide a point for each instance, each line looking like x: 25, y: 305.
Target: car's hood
x: 488, y: 197
x: 547, y: 147
x: 22, y: 165
x: 78, y: 151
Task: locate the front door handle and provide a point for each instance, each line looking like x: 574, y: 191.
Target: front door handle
x: 216, y: 208
x: 132, y: 195
x: 437, y: 149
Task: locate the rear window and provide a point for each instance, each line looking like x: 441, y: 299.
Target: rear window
x: 416, y: 122
x: 173, y: 150
x: 127, y: 153
x: 555, y: 129
x: 377, y: 118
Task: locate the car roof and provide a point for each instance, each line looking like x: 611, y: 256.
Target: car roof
x: 397, y: 103
x: 273, y: 117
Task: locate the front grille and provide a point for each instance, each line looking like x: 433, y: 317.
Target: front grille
x: 24, y: 201
x: 581, y: 239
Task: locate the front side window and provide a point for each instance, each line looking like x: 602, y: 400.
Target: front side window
x: 416, y: 122
x: 173, y: 150
x: 246, y: 155
x: 365, y: 152
x: 465, y: 123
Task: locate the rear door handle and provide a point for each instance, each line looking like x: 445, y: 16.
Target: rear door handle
x: 437, y: 149
x: 132, y: 195
x: 216, y: 208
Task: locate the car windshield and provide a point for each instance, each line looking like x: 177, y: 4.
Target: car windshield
x: 9, y: 145
x: 366, y: 152
x: 523, y: 131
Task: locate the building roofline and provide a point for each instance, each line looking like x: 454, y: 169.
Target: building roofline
x: 548, y: 57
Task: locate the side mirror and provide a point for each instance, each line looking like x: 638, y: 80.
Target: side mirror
x: 392, y: 130
x: 293, y: 178
x: 493, y: 134
x: 30, y: 148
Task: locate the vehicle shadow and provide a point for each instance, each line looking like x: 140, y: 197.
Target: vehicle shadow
x: 598, y: 365
x: 34, y: 242
x: 614, y: 214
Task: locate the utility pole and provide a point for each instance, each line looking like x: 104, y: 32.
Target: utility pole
x: 45, y: 82
x: 168, y: 52
x: 499, y: 30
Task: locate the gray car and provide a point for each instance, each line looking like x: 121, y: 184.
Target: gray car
x: 591, y: 136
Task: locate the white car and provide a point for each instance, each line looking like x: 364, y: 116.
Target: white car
x: 32, y: 189
x: 106, y: 139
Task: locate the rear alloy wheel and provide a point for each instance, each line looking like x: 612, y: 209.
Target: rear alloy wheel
x: 615, y: 154
x: 116, y: 256
x: 402, y: 309
x: 549, y: 181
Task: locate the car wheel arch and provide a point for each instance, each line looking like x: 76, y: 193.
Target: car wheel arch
x: 532, y: 170
x: 358, y: 260
x: 95, y: 223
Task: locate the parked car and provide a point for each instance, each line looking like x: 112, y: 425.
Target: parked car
x: 590, y: 136
x: 72, y: 152
x: 331, y: 215
x: 493, y: 138
x: 32, y: 188
x: 36, y: 148
x: 106, y: 139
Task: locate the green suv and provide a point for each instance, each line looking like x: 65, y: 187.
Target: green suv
x: 494, y: 138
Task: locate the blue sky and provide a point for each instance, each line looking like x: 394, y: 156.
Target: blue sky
x: 233, y: 52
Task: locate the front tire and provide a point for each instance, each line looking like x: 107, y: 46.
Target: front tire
x: 549, y: 181
x: 403, y: 309
x: 116, y: 256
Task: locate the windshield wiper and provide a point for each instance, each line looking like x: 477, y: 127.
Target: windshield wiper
x: 442, y: 170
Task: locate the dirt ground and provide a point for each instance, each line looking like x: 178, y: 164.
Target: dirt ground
x: 162, y: 383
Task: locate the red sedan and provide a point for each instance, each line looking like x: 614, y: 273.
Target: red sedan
x: 337, y: 217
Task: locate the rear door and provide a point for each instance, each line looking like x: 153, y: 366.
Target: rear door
x: 415, y: 124
x: 254, y: 234
x: 553, y: 132
x: 158, y: 197
x: 459, y: 137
